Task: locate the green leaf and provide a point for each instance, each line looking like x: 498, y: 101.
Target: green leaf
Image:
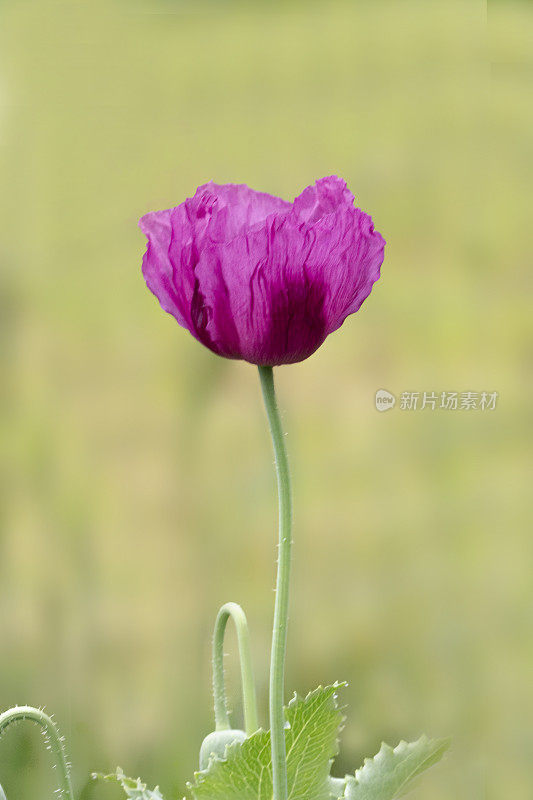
x: 313, y: 726
x: 134, y: 788
x: 389, y: 774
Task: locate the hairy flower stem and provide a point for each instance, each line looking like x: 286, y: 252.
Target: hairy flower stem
x: 281, y: 610
x: 247, y: 673
x: 55, y: 741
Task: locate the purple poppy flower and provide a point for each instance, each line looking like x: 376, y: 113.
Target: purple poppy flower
x: 254, y: 277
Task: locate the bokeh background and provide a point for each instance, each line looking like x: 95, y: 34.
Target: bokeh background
x: 137, y: 490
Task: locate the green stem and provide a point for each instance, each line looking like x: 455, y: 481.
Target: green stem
x: 247, y: 673
x: 281, y: 610
x: 55, y: 741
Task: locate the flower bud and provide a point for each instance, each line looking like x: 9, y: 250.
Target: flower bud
x: 215, y: 744
x: 337, y: 787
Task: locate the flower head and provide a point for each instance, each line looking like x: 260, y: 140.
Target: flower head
x: 255, y: 277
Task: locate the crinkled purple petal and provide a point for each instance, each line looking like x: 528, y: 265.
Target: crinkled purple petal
x: 164, y: 277
x: 285, y: 286
x: 224, y: 211
x: 326, y: 196
x: 258, y: 281
x: 254, y: 277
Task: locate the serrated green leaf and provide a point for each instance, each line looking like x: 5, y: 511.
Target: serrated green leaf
x: 313, y: 725
x: 133, y: 787
x: 389, y: 774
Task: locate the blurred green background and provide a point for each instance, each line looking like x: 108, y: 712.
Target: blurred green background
x: 137, y: 483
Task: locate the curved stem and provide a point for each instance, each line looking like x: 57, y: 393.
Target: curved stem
x: 247, y: 673
x: 281, y: 610
x: 53, y: 737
